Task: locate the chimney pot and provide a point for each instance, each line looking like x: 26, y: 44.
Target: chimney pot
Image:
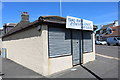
x: 25, y: 16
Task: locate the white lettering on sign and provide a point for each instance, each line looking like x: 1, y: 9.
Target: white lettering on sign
x: 72, y: 22
x: 87, y: 25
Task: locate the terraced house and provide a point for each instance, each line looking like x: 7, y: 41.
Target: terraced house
x: 109, y: 30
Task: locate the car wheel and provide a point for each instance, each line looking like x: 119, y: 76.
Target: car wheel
x: 108, y: 44
x: 117, y: 44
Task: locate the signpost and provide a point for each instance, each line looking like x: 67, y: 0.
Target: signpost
x: 77, y: 23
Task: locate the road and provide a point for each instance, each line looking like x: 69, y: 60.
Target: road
x: 108, y: 50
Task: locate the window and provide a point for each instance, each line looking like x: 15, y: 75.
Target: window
x: 104, y: 31
x: 115, y: 39
x: 109, y: 30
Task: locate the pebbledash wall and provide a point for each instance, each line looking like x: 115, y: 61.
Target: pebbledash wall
x: 0, y: 42
x: 30, y: 48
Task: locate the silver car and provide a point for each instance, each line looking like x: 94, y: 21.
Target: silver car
x: 101, y: 42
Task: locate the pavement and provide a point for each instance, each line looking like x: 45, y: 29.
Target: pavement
x: 101, y: 68
x: 75, y: 72
x: 104, y: 67
x: 11, y: 69
x: 0, y: 64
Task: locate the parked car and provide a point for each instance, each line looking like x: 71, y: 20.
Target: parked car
x: 101, y: 42
x: 97, y: 42
x: 113, y: 41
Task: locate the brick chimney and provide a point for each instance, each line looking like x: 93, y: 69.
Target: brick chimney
x: 24, y: 20
x: 24, y: 16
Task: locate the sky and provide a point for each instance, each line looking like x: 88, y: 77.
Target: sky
x: 98, y: 12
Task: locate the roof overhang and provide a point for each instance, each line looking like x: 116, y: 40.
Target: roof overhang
x: 43, y: 20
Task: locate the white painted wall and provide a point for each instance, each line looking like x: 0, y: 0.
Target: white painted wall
x: 0, y: 56
x: 31, y: 50
x: 59, y: 64
x: 0, y: 43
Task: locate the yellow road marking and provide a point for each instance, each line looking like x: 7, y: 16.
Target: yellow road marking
x: 107, y: 56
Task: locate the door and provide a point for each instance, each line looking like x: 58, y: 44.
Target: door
x: 76, y: 46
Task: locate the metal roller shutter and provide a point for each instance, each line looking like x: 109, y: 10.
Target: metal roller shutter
x: 87, y: 41
x: 59, y: 41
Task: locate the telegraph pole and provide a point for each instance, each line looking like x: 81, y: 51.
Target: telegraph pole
x: 60, y: 7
